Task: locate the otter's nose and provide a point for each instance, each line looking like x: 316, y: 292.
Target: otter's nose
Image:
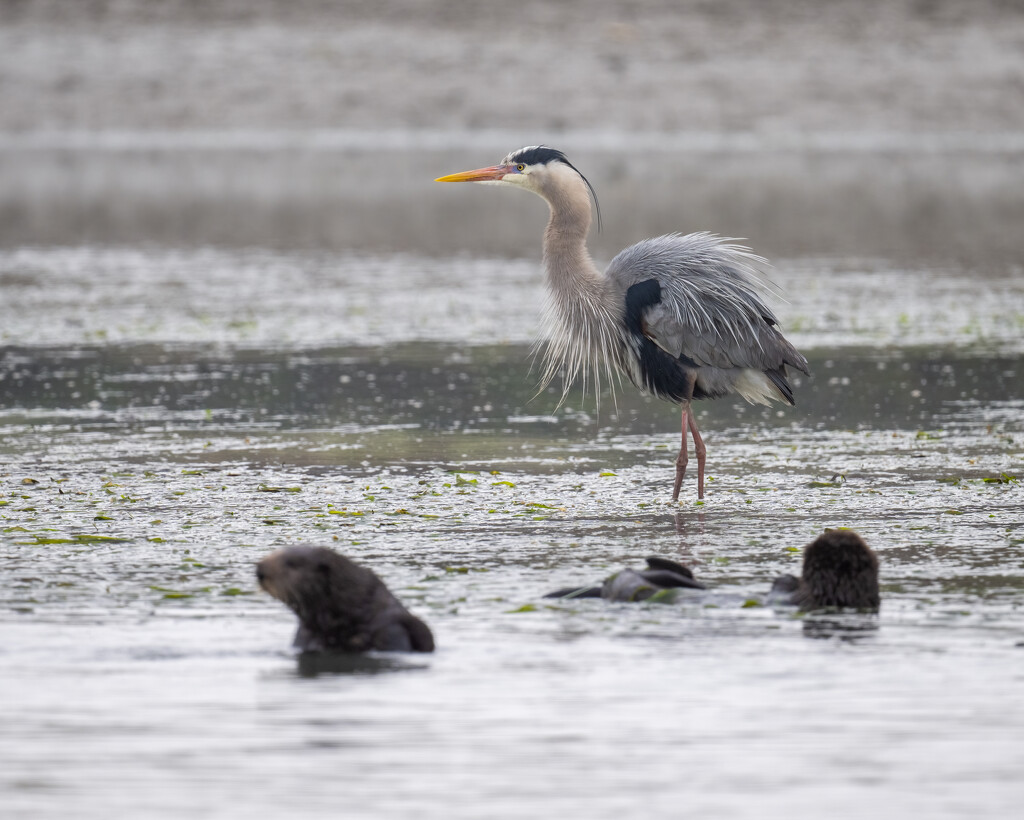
x: 260, y: 574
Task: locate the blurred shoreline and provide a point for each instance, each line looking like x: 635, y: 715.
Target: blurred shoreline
x: 662, y: 66
x: 854, y: 128
x: 395, y: 139
x: 938, y: 207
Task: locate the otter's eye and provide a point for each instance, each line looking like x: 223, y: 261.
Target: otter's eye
x: 520, y: 167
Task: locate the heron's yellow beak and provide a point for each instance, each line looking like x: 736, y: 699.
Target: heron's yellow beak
x: 491, y: 174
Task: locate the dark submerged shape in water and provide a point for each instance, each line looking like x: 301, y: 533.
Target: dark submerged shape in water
x: 636, y: 585
x: 840, y: 571
x: 342, y: 606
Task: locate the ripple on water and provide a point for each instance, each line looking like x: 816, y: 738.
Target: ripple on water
x: 142, y: 666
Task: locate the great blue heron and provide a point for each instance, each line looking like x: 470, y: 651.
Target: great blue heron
x: 681, y: 316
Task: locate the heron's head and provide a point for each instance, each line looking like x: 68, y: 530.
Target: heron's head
x: 545, y: 171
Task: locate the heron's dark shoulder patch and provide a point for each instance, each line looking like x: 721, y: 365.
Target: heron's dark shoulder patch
x: 639, y: 297
x: 536, y: 155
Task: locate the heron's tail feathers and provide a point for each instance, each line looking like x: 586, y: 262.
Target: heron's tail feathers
x: 762, y: 386
x: 781, y: 383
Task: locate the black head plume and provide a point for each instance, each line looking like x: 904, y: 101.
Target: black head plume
x: 542, y: 155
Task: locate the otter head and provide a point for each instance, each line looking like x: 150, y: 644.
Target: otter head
x: 326, y: 590
x: 840, y: 570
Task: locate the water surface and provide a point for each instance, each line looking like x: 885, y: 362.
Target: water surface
x: 174, y: 405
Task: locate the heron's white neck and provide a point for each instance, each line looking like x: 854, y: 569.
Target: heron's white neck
x: 570, y: 270
x: 581, y: 316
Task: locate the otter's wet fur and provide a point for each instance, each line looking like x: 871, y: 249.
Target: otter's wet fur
x: 636, y: 585
x: 840, y: 571
x: 342, y: 606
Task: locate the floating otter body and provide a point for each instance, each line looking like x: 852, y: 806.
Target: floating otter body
x: 636, y: 585
x: 839, y: 570
x: 341, y: 606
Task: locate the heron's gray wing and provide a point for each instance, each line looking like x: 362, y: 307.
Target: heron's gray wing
x: 711, y: 309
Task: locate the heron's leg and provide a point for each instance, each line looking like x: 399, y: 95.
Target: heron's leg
x: 701, y: 452
x: 681, y: 459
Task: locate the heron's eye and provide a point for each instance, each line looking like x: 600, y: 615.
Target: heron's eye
x: 520, y: 167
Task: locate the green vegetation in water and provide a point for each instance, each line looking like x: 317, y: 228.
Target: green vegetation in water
x: 837, y: 480
x: 171, y: 593
x: 751, y: 603
x: 266, y: 488
x: 236, y: 591
x: 78, y: 539
x: 960, y: 481
x: 1002, y: 478
x: 523, y: 608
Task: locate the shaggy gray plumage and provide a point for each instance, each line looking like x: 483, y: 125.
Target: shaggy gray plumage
x: 711, y: 312
x: 681, y: 316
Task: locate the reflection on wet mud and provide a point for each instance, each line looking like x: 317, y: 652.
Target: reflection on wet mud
x: 478, y: 389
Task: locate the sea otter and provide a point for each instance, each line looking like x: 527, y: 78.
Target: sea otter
x: 636, y: 585
x: 840, y: 571
x: 342, y: 606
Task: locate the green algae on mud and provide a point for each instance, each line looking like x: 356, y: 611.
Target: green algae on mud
x: 155, y: 469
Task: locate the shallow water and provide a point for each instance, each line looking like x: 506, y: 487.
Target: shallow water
x: 161, y: 428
